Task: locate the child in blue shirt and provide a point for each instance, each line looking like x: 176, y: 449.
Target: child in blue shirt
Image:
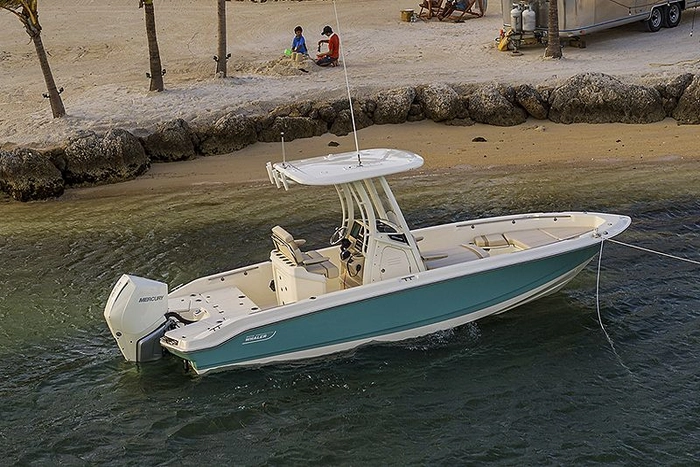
x: 299, y: 43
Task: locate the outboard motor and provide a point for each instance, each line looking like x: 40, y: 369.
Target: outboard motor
x: 135, y: 313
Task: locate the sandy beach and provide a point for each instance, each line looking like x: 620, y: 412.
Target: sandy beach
x: 97, y: 51
x: 526, y: 147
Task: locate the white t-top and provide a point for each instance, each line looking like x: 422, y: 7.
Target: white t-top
x: 346, y: 167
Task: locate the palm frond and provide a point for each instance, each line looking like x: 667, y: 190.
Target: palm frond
x: 25, y: 10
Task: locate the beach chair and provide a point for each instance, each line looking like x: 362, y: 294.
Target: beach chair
x: 431, y: 7
x: 458, y: 13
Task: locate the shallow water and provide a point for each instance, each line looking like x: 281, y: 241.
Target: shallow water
x: 538, y: 385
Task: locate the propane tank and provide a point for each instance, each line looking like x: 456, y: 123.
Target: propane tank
x: 529, y: 19
x: 516, y: 19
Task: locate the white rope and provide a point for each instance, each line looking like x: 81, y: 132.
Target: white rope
x: 597, y: 307
x: 692, y: 261
x: 347, y: 85
x: 597, y: 285
x: 597, y: 293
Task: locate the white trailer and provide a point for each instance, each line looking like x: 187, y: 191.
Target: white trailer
x: 581, y: 17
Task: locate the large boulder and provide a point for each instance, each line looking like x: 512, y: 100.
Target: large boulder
x: 672, y: 90
x: 172, y: 141
x: 28, y: 175
x: 324, y: 111
x: 415, y: 113
x: 599, y: 98
x: 364, y: 104
x: 342, y: 125
x: 294, y: 109
x: 393, y: 105
x: 93, y: 159
x: 231, y: 132
x: 439, y: 102
x: 688, y: 109
x: 495, y: 104
x: 293, y: 128
x: 530, y: 99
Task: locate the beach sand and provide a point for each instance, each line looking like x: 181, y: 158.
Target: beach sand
x: 531, y: 146
x: 98, y: 54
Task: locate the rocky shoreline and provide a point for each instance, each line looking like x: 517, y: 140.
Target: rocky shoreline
x: 88, y: 158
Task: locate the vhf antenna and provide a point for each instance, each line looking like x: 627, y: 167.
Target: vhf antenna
x: 347, y: 86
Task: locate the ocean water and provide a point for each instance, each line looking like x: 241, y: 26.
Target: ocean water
x: 540, y: 385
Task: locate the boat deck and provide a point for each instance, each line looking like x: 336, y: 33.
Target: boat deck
x: 211, y: 311
x: 483, y: 246
x: 225, y: 302
x: 448, y: 256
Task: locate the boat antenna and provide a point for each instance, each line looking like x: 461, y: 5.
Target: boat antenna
x: 284, y: 155
x: 347, y: 86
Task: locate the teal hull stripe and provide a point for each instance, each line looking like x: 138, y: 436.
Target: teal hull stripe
x: 387, y: 314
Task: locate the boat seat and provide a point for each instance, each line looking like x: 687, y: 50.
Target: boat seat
x: 456, y: 255
x: 522, y: 239
x: 312, y: 260
x: 434, y: 256
x: 319, y: 264
x: 478, y: 251
x: 539, y: 237
x: 491, y: 241
x: 526, y: 239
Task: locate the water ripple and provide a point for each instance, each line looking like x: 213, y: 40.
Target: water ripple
x: 538, y: 385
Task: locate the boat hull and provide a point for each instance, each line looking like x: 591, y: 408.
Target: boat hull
x: 418, y: 308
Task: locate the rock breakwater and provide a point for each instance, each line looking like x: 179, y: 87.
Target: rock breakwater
x: 91, y: 159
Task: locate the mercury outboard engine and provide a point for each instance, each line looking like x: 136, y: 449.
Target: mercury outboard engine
x: 135, y: 313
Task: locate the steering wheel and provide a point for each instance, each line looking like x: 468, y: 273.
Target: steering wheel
x: 338, y: 235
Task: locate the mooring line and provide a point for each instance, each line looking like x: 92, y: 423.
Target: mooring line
x: 597, y: 287
x: 648, y: 250
x: 597, y: 307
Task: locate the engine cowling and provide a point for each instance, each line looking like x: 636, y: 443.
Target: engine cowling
x: 135, y: 313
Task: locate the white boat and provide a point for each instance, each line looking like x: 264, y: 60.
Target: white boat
x: 378, y: 281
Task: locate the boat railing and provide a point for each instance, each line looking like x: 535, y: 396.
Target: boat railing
x: 514, y: 220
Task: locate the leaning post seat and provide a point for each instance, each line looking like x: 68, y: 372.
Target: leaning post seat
x: 311, y: 260
x: 299, y: 275
x: 287, y: 245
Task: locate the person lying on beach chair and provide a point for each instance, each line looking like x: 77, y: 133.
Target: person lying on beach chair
x: 431, y: 7
x: 329, y: 58
x: 462, y: 7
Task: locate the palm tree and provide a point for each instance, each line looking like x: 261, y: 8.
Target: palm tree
x: 553, y: 49
x: 157, y: 72
x: 26, y: 11
x: 222, y: 57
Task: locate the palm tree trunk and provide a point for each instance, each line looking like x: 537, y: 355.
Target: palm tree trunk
x: 54, y: 97
x: 221, y: 52
x: 153, y: 53
x: 553, y: 49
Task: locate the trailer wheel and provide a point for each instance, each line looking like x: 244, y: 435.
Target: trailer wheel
x: 672, y: 15
x: 655, y: 21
